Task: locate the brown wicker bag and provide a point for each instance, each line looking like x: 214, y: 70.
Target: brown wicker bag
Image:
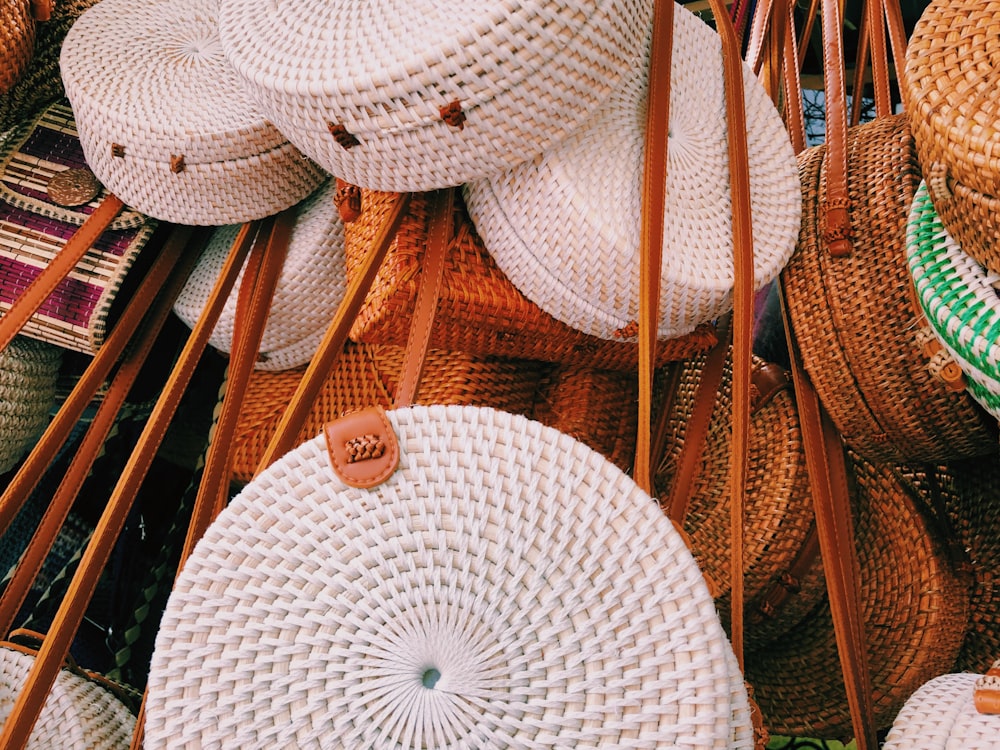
x: 950, y: 93
x: 480, y: 310
x: 855, y: 319
x: 915, y: 605
x: 17, y: 39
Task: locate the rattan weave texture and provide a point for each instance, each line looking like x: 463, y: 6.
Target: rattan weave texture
x: 941, y: 716
x: 17, y: 41
x: 29, y: 372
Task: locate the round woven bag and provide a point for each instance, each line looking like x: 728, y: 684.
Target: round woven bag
x: 958, y: 296
x: 505, y: 586
x: 311, y: 285
x: 416, y: 95
x: 79, y: 713
x: 17, y: 40
x: 29, y: 374
x: 165, y: 122
x: 942, y: 715
x: 951, y: 96
x: 564, y: 228
x: 915, y: 603
x: 854, y: 317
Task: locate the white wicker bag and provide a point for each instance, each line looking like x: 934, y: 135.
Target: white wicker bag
x: 312, y: 284
x: 503, y: 586
x: 943, y: 715
x: 411, y: 95
x: 166, y: 123
x: 564, y: 227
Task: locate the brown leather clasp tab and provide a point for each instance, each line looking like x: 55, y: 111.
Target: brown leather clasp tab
x: 986, y: 696
x: 362, y: 447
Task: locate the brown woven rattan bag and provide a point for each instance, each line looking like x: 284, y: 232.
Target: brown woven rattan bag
x: 17, y: 39
x: 480, y: 310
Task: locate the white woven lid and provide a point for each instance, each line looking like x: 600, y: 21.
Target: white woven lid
x: 78, y: 714
x: 150, y: 77
x: 565, y: 227
x: 547, y: 595
x: 941, y: 715
x: 524, y: 75
x: 29, y: 371
x: 311, y: 285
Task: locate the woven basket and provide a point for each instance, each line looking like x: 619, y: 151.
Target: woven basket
x: 166, y: 123
x: 17, y: 41
x: 915, y: 606
x: 34, y: 227
x: 29, y: 371
x: 779, y: 515
x: 413, y: 96
x: 479, y: 310
x: 446, y: 607
x: 958, y: 296
x: 368, y: 376
x: 950, y: 94
x: 310, y: 288
x: 854, y: 318
x: 941, y: 715
x: 564, y: 228
x: 79, y: 713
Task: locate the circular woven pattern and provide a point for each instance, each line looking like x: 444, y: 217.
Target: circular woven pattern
x: 565, y: 227
x: 959, y: 299
x: 78, y: 713
x: 361, y: 87
x: 505, y: 587
x: 941, y: 715
x: 17, y: 40
x: 855, y: 318
x: 165, y: 122
x: 915, y: 609
x: 29, y: 371
x: 779, y: 513
x: 310, y: 287
x: 73, y: 187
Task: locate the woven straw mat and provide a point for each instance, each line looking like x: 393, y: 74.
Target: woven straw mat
x: 915, y: 605
x: 855, y: 319
x: 414, y: 95
x: 941, y: 716
x: 505, y: 587
x: 564, y: 228
x: 78, y: 714
x: 479, y: 310
x: 950, y: 94
x: 165, y: 122
x: 311, y: 285
x: 29, y: 371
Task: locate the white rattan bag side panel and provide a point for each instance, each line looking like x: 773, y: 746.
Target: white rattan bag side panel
x: 941, y: 716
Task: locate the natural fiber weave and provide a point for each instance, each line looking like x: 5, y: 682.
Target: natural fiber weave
x: 959, y: 298
x: 564, y: 228
x: 941, y: 715
x: 854, y: 318
x: 78, y: 713
x: 950, y: 93
x: 915, y: 609
x: 33, y: 229
x: 505, y: 587
x: 311, y: 285
x: 479, y: 311
x: 404, y: 96
x: 369, y: 376
x: 29, y: 371
x: 40, y: 84
x: 165, y: 122
x: 17, y: 40
x: 779, y: 515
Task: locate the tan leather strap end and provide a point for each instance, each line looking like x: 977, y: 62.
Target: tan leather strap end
x: 41, y: 10
x: 986, y: 695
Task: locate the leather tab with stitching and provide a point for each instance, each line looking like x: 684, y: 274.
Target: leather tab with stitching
x: 362, y: 447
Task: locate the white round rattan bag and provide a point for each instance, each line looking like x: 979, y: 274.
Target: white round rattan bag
x: 505, y: 586
x: 941, y: 715
x: 165, y: 122
x: 564, y: 227
x: 79, y: 714
x: 960, y: 298
x: 29, y: 374
x: 311, y: 285
x: 412, y: 95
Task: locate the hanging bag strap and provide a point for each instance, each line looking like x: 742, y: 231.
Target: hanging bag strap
x: 28, y: 706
